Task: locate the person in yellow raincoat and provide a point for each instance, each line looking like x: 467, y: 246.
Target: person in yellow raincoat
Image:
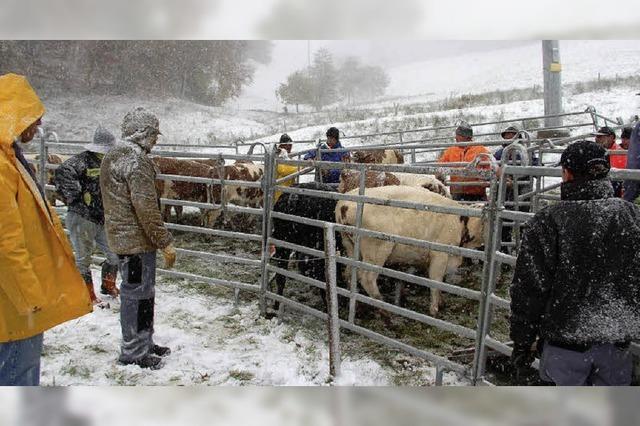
x: 40, y: 286
x: 282, y: 170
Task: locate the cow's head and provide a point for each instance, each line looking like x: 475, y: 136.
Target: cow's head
x: 347, y: 180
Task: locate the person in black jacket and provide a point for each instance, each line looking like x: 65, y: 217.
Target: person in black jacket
x: 576, y: 285
x: 78, y: 180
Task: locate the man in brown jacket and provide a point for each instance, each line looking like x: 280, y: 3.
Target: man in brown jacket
x: 135, y: 231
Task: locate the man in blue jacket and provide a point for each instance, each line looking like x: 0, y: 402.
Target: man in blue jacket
x: 333, y: 142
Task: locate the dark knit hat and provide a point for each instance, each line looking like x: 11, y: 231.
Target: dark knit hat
x: 285, y: 138
x: 333, y: 132
x: 586, y: 159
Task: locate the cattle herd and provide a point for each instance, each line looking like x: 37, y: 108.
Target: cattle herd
x: 430, y: 226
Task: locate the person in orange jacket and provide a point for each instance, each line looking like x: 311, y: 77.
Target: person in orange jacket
x: 465, y: 154
x: 40, y: 285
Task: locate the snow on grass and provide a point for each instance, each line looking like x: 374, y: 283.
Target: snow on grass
x: 515, y: 67
x: 213, y: 343
x: 76, y: 117
x: 618, y: 102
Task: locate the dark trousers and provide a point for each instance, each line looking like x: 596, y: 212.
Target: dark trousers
x: 137, y: 299
x: 601, y: 365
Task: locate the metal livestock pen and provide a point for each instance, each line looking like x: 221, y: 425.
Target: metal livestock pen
x: 498, y: 213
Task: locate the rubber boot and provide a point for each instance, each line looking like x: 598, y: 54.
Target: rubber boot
x: 88, y: 280
x: 109, y: 274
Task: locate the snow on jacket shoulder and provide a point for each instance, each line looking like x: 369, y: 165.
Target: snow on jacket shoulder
x: 576, y: 280
x: 78, y: 175
x: 133, y: 222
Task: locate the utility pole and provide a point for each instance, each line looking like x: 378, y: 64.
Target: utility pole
x: 551, y: 69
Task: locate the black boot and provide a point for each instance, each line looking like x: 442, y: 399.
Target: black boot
x: 160, y: 350
x: 150, y: 361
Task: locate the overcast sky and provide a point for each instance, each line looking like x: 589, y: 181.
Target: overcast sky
x: 326, y: 19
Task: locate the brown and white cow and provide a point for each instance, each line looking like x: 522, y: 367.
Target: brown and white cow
x: 378, y: 156
x: 203, y: 193
x: 34, y: 164
x: 242, y: 195
x: 350, y: 179
x: 211, y: 162
x: 460, y: 231
x: 186, y: 191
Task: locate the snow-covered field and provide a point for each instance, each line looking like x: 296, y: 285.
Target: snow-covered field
x: 516, y: 67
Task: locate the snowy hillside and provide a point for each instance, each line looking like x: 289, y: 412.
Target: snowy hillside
x: 75, y: 118
x: 514, y: 68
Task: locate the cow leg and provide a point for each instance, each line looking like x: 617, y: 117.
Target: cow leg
x: 348, y: 245
x: 166, y: 213
x: 374, y: 252
x: 178, y: 210
x: 210, y: 217
x: 282, y: 261
x: 401, y: 294
x: 437, y: 270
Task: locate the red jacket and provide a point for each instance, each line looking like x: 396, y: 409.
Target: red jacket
x: 617, y: 161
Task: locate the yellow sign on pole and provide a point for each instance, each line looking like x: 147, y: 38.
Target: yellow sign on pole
x: 555, y: 67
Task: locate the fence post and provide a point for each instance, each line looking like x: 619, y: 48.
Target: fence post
x: 268, y: 183
x: 353, y: 287
x: 439, y: 375
x: 492, y: 238
x: 333, y: 320
x: 318, y: 158
x: 592, y: 111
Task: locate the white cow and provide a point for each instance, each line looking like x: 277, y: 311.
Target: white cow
x: 350, y: 179
x: 460, y: 231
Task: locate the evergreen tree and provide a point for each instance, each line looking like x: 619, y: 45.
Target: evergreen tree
x: 324, y: 80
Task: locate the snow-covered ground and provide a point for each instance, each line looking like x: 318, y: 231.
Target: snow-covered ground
x: 214, y: 342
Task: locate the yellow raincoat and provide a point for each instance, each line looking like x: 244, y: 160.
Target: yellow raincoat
x: 37, y: 268
x: 281, y: 171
